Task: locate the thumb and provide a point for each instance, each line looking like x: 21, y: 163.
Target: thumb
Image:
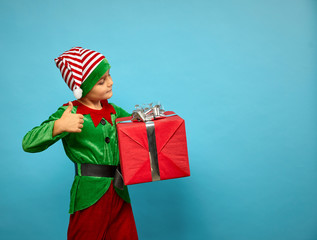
x: 69, y: 108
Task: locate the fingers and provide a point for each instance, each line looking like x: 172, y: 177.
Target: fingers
x: 77, y: 130
x: 80, y: 118
x: 76, y: 122
x: 80, y: 126
x: 70, y: 107
x: 80, y: 123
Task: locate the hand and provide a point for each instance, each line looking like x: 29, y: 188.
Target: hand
x: 69, y: 122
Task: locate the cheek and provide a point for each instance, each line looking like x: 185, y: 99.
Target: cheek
x: 102, y: 91
x: 99, y: 89
x: 96, y: 92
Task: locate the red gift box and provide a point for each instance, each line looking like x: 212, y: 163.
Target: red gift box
x: 152, y: 150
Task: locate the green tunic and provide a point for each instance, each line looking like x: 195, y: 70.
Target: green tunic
x: 88, y: 146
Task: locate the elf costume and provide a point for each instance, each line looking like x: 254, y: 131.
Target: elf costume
x: 99, y: 210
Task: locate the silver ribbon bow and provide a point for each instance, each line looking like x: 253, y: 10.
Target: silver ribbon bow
x: 147, y: 112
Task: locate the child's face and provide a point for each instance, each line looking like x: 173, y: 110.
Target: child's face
x: 102, y: 89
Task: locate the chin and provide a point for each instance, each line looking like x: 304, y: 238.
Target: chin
x: 107, y: 96
x: 110, y: 95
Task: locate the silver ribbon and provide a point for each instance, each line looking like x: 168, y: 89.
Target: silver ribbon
x: 155, y: 171
x: 146, y: 113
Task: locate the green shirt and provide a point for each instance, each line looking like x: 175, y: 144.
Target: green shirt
x: 88, y: 146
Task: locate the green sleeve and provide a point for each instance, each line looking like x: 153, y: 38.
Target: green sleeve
x: 41, y: 137
x: 120, y: 112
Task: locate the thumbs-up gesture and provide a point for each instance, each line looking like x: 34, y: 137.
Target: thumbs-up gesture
x: 69, y: 122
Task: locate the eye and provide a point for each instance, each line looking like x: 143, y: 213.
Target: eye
x: 101, y: 82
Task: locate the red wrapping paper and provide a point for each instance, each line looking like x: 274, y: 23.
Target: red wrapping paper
x: 171, y: 146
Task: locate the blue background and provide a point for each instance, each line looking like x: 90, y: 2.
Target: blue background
x: 241, y: 73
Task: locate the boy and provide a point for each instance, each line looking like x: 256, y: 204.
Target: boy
x: 99, y: 207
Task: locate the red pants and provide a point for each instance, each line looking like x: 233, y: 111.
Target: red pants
x: 110, y: 218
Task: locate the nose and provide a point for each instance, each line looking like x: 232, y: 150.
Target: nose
x: 110, y: 82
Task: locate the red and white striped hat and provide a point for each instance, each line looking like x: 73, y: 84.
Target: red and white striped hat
x: 81, y: 69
